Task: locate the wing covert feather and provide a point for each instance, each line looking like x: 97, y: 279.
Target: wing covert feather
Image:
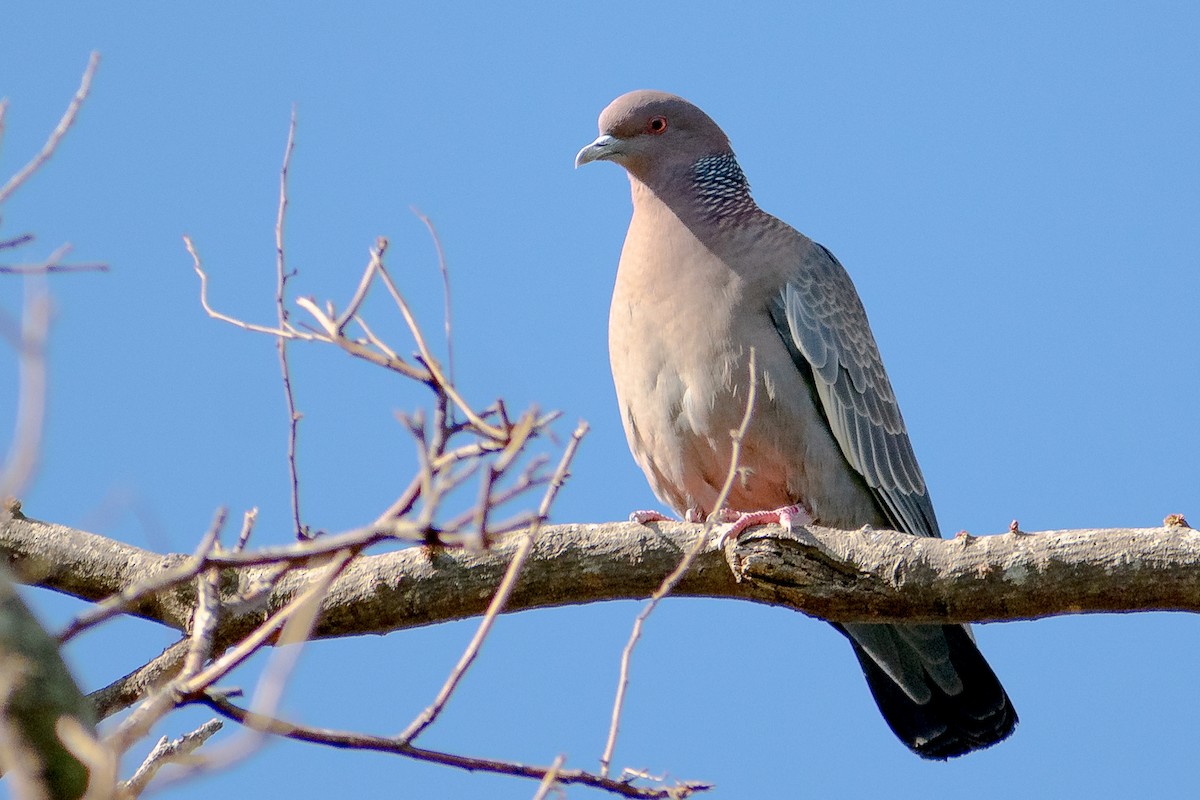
x: 820, y: 315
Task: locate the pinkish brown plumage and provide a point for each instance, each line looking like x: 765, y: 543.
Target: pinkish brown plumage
x: 705, y: 277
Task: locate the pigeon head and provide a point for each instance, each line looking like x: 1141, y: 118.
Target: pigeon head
x: 647, y: 132
x: 677, y: 151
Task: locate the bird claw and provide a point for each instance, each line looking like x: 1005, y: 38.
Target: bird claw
x: 737, y: 521
x: 740, y: 521
x: 691, y: 515
x: 644, y: 517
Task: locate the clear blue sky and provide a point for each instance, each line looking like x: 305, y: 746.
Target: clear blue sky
x: 1015, y: 190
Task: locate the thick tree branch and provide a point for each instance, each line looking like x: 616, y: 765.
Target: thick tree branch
x: 864, y: 575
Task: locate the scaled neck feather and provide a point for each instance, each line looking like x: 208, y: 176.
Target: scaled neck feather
x: 720, y: 188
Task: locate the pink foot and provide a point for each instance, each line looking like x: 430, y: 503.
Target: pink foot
x: 643, y: 517
x: 785, y: 517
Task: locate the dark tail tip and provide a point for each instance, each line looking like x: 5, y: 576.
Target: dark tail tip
x: 948, y: 725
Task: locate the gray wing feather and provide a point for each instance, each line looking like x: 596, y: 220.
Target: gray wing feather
x: 820, y: 314
x: 821, y: 319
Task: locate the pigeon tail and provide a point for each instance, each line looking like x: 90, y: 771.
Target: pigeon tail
x: 946, y: 725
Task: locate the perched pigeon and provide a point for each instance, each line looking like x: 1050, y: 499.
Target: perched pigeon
x: 706, y: 276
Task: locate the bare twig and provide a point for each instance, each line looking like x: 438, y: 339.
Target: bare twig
x: 17, y: 241
x: 404, y: 503
x: 64, y: 124
x: 52, y: 264
x: 442, y: 268
x: 296, y: 632
x: 21, y: 462
x: 329, y: 326
x: 360, y: 741
x: 442, y: 467
x: 669, y: 583
x: 164, y: 753
x: 204, y: 622
x: 431, y: 363
x: 281, y: 277
x: 518, y: 436
x: 248, y: 520
x: 430, y: 714
x: 550, y: 782
x: 376, y: 254
x: 50, y: 268
x: 360, y: 294
x: 529, y: 478
x: 290, y: 333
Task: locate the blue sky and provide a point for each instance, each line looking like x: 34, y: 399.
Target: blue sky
x: 1015, y: 190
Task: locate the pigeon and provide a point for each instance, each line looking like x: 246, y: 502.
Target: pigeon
x: 706, y: 278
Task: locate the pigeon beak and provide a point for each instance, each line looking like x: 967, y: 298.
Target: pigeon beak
x: 603, y: 149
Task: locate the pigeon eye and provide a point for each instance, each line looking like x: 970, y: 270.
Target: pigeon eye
x: 657, y: 125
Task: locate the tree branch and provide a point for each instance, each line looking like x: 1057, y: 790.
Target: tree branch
x: 845, y: 576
